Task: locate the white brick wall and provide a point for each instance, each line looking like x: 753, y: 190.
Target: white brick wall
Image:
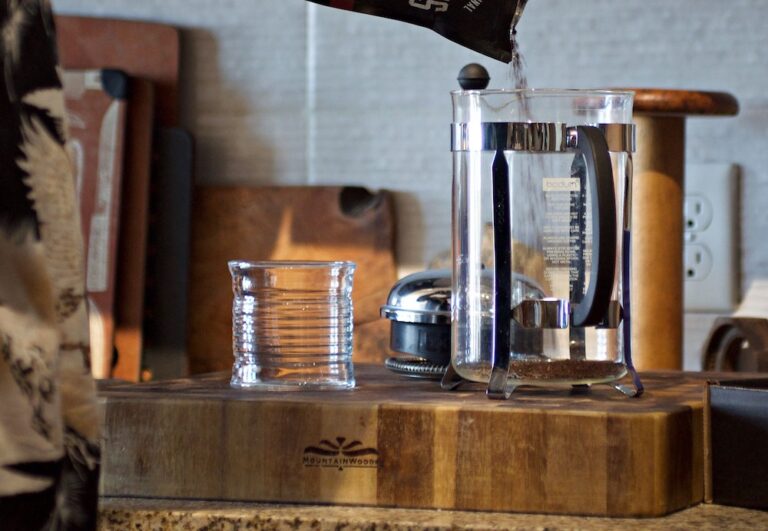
x: 282, y: 91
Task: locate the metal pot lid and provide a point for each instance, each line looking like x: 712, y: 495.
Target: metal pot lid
x: 423, y: 297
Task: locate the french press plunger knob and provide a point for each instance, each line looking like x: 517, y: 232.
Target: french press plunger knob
x: 473, y: 76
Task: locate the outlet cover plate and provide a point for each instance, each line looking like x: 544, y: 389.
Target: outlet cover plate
x: 710, y: 225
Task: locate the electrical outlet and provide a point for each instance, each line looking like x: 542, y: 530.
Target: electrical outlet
x: 697, y: 212
x: 710, y: 226
x: 698, y: 261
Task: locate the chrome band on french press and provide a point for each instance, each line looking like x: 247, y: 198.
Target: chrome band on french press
x: 541, y: 137
x: 555, y: 313
x: 535, y: 137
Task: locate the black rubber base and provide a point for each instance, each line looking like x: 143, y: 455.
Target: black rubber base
x: 416, y: 367
x: 428, y: 341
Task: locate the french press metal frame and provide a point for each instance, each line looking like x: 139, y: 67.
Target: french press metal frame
x: 596, y: 308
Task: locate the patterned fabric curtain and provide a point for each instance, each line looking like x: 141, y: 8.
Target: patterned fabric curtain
x: 48, y: 418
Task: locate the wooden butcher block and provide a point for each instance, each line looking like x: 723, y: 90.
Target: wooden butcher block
x: 286, y: 223
x: 402, y: 442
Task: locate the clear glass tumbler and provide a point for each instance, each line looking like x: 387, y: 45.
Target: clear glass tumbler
x: 292, y: 325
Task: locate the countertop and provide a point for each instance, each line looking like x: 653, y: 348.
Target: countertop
x: 138, y: 514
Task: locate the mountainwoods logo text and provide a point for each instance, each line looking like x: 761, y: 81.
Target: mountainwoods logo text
x: 340, y: 454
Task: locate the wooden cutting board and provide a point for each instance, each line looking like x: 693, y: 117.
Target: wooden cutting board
x: 97, y: 107
x: 134, y: 227
x: 405, y: 443
x: 116, y: 253
x: 149, y: 54
x: 286, y: 223
x: 141, y: 49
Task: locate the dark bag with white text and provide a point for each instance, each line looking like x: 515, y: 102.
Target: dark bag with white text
x: 481, y: 25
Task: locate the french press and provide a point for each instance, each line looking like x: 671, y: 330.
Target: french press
x: 540, y: 238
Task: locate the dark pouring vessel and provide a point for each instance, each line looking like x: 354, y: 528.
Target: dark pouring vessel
x: 484, y: 26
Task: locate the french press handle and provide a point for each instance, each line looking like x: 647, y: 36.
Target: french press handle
x: 592, y: 309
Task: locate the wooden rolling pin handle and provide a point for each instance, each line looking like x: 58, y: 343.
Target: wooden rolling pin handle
x: 657, y: 242
x: 657, y: 219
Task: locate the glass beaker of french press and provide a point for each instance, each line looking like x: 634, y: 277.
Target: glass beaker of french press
x: 541, y: 237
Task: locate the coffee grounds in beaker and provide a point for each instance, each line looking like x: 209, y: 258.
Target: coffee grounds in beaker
x: 566, y: 370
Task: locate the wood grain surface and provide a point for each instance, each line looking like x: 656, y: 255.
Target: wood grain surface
x: 286, y: 223
x: 134, y: 223
x: 149, y: 54
x: 140, y: 49
x: 657, y: 219
x: 657, y: 243
x: 684, y: 102
x: 401, y: 442
x: 97, y: 145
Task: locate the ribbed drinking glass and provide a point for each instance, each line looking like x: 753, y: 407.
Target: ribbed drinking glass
x: 292, y: 325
